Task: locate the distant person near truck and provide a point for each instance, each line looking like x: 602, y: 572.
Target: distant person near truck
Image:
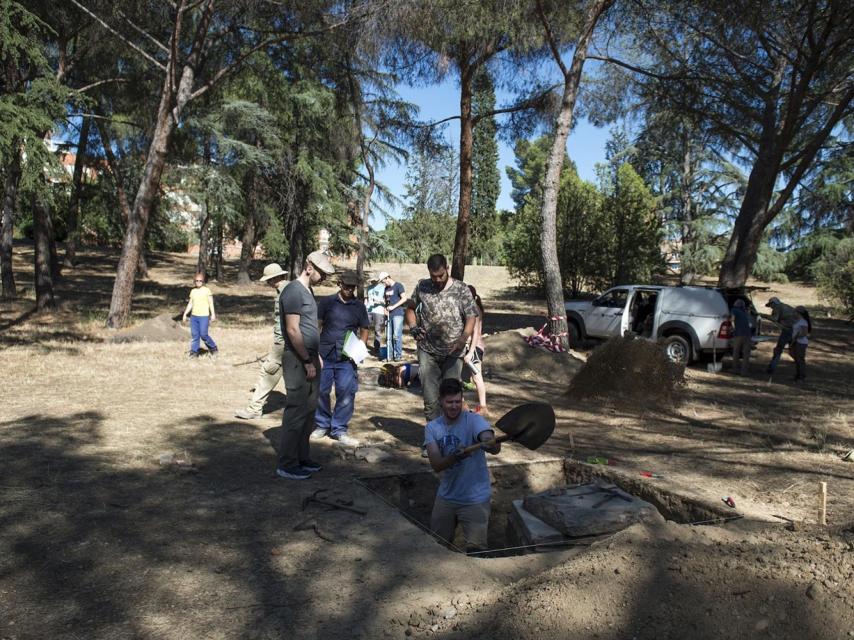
x: 785, y: 317
x: 741, y: 338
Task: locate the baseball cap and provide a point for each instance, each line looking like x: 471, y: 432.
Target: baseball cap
x: 382, y: 275
x: 321, y: 262
x: 271, y: 271
x: 772, y: 301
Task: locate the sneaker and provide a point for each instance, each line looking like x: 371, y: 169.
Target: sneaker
x: 318, y: 434
x: 346, y: 440
x: 246, y: 414
x: 293, y: 473
x: 193, y: 354
x: 311, y: 467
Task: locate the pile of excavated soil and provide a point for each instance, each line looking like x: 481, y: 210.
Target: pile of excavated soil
x: 161, y: 328
x: 629, y: 370
x: 507, y: 354
x: 673, y: 581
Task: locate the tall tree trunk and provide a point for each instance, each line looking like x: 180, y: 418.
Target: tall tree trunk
x: 296, y: 257
x: 686, y: 274
x: 218, y: 257
x: 73, y: 240
x: 572, y: 79
x: 753, y: 216
x: 461, y: 239
x: 251, y: 228
x: 50, y: 233
x: 7, y: 222
x: 138, y: 220
x: 204, y: 242
x: 365, y: 230
x: 43, y: 273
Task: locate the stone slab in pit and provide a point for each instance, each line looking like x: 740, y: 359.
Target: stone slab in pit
x: 590, y: 509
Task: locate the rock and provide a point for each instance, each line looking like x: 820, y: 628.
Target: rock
x: 763, y: 624
x: 372, y: 455
x: 590, y: 509
x: 813, y: 591
x: 449, y: 613
x: 166, y: 458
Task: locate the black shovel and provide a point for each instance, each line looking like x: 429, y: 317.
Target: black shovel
x: 529, y: 424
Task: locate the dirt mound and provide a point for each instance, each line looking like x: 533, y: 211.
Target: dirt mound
x: 629, y: 370
x: 161, y: 328
x: 507, y: 354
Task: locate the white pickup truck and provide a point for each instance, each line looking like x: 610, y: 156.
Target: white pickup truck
x: 689, y: 321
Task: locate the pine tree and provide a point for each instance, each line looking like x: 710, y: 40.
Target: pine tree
x: 485, y: 243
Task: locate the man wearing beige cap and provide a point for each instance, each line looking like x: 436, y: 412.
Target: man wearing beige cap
x: 300, y: 367
x: 375, y: 303
x: 785, y: 317
x: 271, y: 364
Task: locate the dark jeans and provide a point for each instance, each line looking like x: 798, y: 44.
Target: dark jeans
x: 799, y: 353
x: 783, y: 342
x: 344, y: 377
x: 298, y: 417
x: 433, y: 369
x: 199, y: 329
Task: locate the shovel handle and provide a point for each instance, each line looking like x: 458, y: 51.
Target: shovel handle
x: 486, y: 443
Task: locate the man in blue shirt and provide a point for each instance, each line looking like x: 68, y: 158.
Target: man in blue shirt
x: 464, y: 487
x: 395, y: 297
x: 338, y: 314
x: 741, y: 338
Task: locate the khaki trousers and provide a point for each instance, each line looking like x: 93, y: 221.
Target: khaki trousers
x: 741, y: 351
x: 473, y: 517
x: 268, y: 378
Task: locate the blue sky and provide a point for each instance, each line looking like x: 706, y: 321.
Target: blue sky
x: 586, y: 145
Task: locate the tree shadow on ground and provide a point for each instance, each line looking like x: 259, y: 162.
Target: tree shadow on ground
x: 202, y: 545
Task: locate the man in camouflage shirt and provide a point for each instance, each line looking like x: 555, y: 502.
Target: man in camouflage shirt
x: 441, y: 314
x: 271, y: 365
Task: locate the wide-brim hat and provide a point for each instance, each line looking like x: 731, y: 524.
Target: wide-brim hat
x: 382, y: 275
x: 272, y: 270
x: 772, y: 301
x: 321, y: 262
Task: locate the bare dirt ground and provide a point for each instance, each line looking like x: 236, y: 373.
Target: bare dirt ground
x: 133, y: 504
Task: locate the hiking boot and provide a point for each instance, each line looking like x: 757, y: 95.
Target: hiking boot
x: 346, y: 440
x: 193, y: 354
x: 246, y: 414
x: 293, y: 473
x: 311, y: 467
x: 212, y: 353
x: 318, y: 434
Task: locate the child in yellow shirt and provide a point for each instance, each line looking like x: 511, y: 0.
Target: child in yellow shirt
x: 201, y: 304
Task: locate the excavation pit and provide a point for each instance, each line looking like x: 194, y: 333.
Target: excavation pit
x: 412, y: 495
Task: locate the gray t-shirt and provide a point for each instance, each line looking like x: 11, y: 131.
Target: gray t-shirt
x: 296, y: 299
x: 467, y: 482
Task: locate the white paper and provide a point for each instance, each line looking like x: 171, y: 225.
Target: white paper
x: 354, y: 348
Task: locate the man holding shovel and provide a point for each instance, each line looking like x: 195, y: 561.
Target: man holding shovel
x: 464, y: 487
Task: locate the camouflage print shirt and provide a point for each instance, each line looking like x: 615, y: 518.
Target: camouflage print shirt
x: 442, y: 314
x: 277, y: 326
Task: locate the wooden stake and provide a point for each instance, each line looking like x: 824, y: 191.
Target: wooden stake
x: 571, y: 442
x: 822, y: 503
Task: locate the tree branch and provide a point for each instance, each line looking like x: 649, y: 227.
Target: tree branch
x: 551, y: 39
x: 140, y: 51
x: 144, y: 33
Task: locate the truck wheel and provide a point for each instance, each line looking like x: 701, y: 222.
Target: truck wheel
x: 574, y: 334
x: 677, y: 349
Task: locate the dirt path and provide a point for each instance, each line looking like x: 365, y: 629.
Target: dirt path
x: 133, y: 504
